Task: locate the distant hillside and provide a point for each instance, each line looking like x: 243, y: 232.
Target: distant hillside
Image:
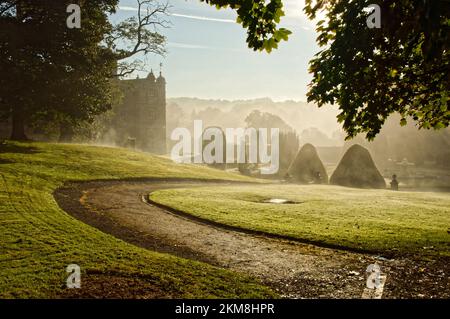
x: 299, y: 115
x: 319, y: 127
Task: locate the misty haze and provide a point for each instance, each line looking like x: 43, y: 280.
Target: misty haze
x: 224, y: 150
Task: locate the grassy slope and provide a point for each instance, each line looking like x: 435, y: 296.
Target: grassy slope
x: 38, y: 240
x: 375, y: 220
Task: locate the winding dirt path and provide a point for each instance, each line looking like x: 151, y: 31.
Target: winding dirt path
x: 294, y: 269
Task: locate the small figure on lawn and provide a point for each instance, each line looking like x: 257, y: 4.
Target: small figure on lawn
x: 394, y: 183
x: 317, y: 178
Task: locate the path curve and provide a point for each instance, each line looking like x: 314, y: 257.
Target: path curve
x: 294, y: 269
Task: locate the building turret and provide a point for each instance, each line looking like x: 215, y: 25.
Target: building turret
x: 151, y: 76
x: 161, y: 79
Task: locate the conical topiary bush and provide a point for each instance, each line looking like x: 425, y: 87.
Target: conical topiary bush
x: 307, y: 167
x: 357, y: 169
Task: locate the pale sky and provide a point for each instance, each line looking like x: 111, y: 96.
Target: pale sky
x: 209, y: 58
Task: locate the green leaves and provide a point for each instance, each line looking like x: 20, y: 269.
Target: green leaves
x: 260, y: 18
x: 282, y: 34
x: 371, y: 73
x: 60, y: 73
x: 403, y: 122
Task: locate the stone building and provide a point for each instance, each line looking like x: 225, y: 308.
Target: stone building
x: 140, y: 119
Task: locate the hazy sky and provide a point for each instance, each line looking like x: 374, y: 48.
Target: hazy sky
x: 208, y: 56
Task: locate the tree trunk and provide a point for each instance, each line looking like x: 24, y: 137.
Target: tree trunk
x: 18, y: 125
x: 65, y: 132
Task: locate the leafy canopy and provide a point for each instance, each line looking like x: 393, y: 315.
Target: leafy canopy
x: 402, y: 67
x: 52, y: 74
x: 260, y: 18
x: 48, y: 70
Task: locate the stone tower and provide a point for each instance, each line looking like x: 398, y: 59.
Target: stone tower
x: 141, y: 116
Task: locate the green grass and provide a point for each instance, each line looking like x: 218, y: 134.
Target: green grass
x: 374, y: 220
x: 38, y: 240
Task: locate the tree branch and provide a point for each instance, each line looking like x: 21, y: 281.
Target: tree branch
x: 137, y: 34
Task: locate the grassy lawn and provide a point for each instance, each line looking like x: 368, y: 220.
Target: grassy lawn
x: 376, y: 220
x: 38, y: 240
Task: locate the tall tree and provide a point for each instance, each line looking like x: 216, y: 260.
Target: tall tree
x: 64, y: 75
x: 402, y: 67
x: 18, y: 60
x: 257, y: 119
x: 136, y: 37
x: 48, y: 69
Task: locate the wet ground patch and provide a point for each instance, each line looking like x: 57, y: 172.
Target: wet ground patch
x: 279, y: 201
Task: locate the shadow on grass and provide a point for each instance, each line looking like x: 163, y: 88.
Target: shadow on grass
x: 5, y: 161
x: 12, y: 148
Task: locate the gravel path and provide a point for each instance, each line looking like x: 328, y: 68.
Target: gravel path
x: 294, y: 269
